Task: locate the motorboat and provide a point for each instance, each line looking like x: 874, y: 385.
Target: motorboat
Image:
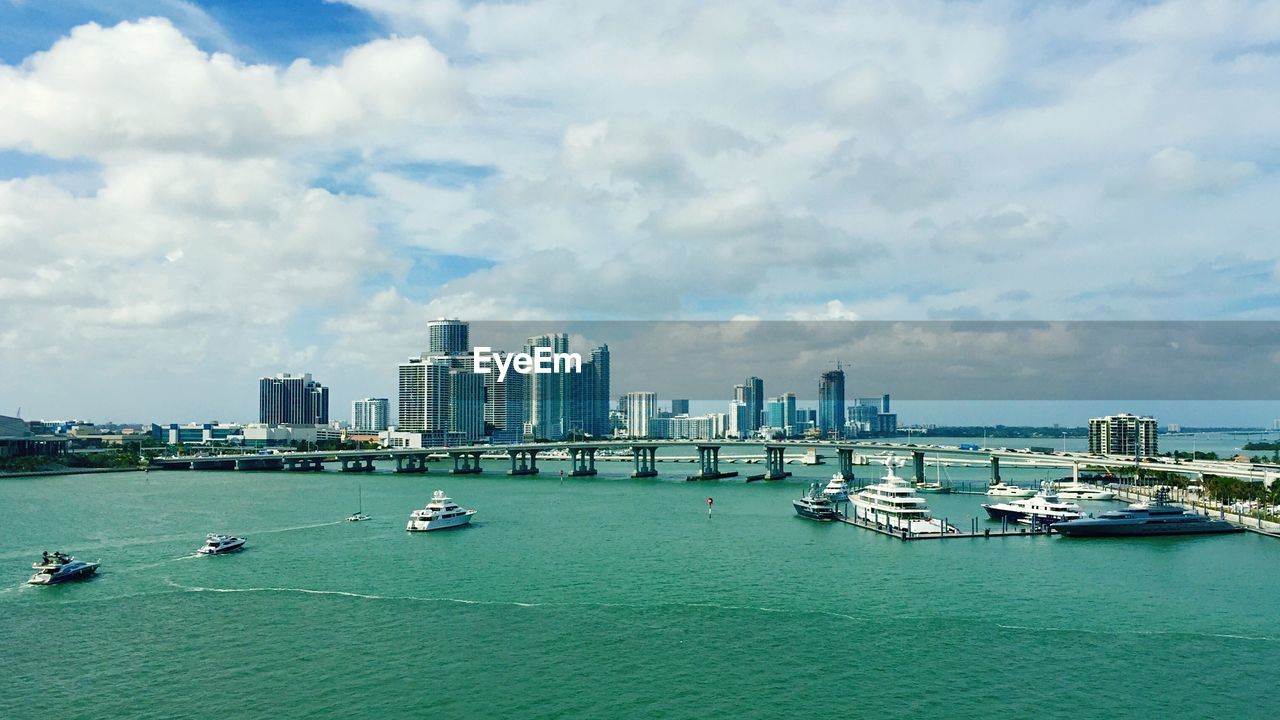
x: 1144, y: 519
x: 441, y: 513
x: 837, y: 488
x: 59, y: 567
x: 894, y: 504
x: 1003, y: 489
x: 216, y: 544
x: 1043, y: 508
x: 816, y: 504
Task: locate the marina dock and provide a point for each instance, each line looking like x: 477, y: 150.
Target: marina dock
x: 974, y: 532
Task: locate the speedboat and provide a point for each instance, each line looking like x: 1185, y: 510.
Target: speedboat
x: 1157, y: 518
x: 441, y: 513
x: 1003, y: 489
x: 894, y: 504
x: 215, y: 544
x: 837, y: 488
x: 58, y: 567
x: 1044, y: 508
x: 816, y: 504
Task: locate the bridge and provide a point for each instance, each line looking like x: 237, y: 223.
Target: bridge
x: 582, y: 456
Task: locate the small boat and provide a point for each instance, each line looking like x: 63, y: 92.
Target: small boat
x: 215, y: 544
x: 358, y: 515
x: 1083, y: 491
x: 441, y: 513
x: 1003, y: 489
x: 59, y: 567
x: 816, y: 505
x: 936, y: 487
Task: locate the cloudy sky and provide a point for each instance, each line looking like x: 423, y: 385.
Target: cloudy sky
x: 193, y: 194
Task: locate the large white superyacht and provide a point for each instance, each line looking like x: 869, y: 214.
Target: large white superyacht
x: 894, y: 504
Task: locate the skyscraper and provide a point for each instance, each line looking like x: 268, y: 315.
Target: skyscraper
x: 641, y: 407
x: 370, y: 415
x: 564, y: 403
x: 679, y: 407
x: 831, y: 401
x: 753, y: 396
x: 505, y: 405
x: 289, y: 399
x: 448, y: 337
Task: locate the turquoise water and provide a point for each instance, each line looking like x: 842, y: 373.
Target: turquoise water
x: 606, y: 597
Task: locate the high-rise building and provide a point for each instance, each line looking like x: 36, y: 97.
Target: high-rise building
x: 1123, y: 434
x: 289, y: 399
x: 753, y: 396
x: 831, y: 401
x: 738, y: 426
x: 505, y: 405
x: 466, y: 405
x: 564, y: 403
x: 448, y: 337
x: 370, y: 415
x: 641, y: 408
x: 679, y: 407
x: 424, y: 397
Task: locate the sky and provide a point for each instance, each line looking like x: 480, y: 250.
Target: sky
x: 195, y: 194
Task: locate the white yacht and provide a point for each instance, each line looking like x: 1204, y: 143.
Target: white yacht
x: 215, y: 544
x: 1044, y: 508
x: 439, y: 514
x: 894, y: 503
x: 837, y: 489
x: 1076, y: 490
x: 1003, y: 489
x: 56, y: 568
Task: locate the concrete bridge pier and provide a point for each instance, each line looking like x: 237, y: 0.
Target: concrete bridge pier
x: 995, y: 469
x: 774, y: 463
x: 411, y: 464
x: 465, y: 462
x: 304, y: 464
x: 357, y: 464
x: 582, y: 461
x: 709, y: 460
x: 917, y: 458
x: 644, y: 458
x: 846, y: 462
x: 523, y: 462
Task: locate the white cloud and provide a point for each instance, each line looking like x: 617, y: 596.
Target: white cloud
x: 1177, y: 170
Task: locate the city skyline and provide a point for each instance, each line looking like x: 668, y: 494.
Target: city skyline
x: 456, y: 171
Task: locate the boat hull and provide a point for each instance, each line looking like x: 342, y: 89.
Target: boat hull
x: 814, y: 513
x: 1082, y: 528
x: 223, y: 550
x: 81, y: 573
x: 440, y: 524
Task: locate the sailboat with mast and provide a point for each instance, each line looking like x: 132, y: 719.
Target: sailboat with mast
x: 359, y: 515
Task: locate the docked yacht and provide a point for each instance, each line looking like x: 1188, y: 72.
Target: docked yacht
x: 837, y: 488
x: 1076, y: 490
x: 1003, y: 489
x: 215, y: 544
x: 816, y: 504
x: 894, y: 503
x: 439, y: 514
x: 58, y: 567
x: 1043, y: 508
x: 1156, y: 518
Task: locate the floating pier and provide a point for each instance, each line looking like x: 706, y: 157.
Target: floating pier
x: 975, y: 531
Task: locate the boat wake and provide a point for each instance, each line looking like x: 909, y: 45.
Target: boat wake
x: 505, y: 603
x: 292, y: 529
x: 1227, y: 636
